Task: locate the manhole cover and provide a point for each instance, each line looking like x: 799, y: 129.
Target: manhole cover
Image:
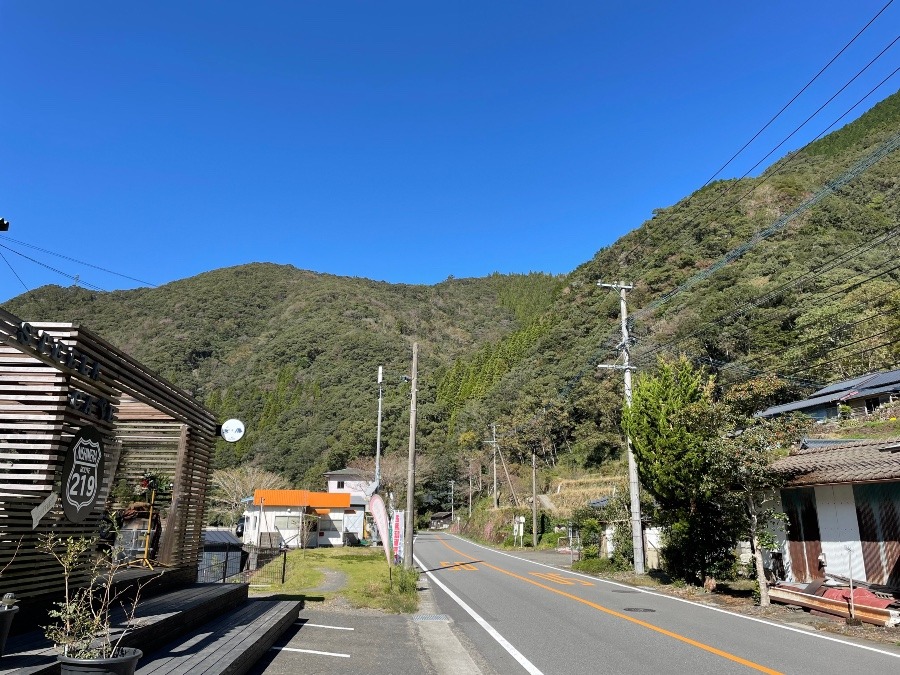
x: 637, y: 609
x: 624, y: 591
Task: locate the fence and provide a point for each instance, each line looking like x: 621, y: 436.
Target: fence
x: 252, y: 565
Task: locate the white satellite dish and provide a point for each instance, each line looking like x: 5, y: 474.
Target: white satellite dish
x: 232, y: 430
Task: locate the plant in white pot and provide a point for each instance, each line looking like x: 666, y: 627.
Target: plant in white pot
x: 83, y: 631
x: 8, y: 606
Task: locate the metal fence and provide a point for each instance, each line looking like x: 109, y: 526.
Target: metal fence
x: 256, y: 566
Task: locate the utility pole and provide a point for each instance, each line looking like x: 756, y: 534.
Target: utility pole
x: 378, y: 433
x: 493, y: 444
x: 411, y: 472
x: 470, y: 488
x: 534, y: 499
x: 451, y: 503
x: 637, y: 535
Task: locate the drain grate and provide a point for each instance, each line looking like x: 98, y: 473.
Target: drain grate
x: 637, y: 609
x: 431, y: 617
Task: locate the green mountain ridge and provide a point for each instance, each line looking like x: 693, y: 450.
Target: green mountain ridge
x: 294, y: 353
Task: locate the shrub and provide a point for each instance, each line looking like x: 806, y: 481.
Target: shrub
x: 594, y: 566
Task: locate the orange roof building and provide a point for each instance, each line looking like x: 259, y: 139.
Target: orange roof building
x: 313, y: 500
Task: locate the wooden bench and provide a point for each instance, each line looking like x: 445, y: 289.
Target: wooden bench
x: 230, y: 645
x: 160, y: 619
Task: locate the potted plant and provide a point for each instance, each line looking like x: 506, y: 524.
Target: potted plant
x: 83, y: 632
x: 8, y: 606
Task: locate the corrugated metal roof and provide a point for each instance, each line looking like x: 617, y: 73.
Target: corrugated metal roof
x: 871, y: 391
x: 849, y: 462
x: 220, y: 537
x: 880, y: 383
x: 843, y: 385
x: 333, y: 500
x: 802, y: 405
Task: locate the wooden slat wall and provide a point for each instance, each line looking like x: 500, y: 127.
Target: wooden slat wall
x: 36, y: 426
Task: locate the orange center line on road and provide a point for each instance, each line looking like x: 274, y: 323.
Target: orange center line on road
x: 612, y: 612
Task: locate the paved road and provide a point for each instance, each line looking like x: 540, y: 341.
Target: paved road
x: 524, y: 616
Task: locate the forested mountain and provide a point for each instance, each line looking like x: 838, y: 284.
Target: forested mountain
x: 791, y: 272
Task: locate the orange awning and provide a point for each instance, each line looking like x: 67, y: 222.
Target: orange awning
x: 315, y: 500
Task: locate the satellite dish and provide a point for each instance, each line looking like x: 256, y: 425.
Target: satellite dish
x: 232, y: 430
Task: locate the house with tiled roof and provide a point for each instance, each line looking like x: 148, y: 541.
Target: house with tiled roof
x: 862, y: 395
x: 842, y: 500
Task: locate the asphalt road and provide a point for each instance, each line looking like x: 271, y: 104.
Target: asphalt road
x: 524, y: 616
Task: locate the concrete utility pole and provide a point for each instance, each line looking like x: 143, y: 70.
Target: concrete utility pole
x: 534, y: 532
x: 378, y: 433
x: 411, y: 472
x: 637, y: 534
x: 493, y: 444
x: 451, y: 503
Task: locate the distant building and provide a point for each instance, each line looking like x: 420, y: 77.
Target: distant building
x: 863, y: 395
x: 440, y: 520
x: 359, y: 486
x: 296, y: 519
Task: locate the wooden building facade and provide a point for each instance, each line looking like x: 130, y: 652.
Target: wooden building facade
x: 76, y: 415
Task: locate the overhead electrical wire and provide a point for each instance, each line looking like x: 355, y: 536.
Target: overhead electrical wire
x: 16, y: 274
x: 797, y: 95
x: 778, y: 114
x: 53, y: 269
x: 784, y: 164
x: 781, y: 290
x: 80, y: 262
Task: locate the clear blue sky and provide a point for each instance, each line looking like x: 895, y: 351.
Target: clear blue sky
x: 398, y: 141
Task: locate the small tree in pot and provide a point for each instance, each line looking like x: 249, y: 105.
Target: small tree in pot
x: 83, y: 632
x: 8, y: 607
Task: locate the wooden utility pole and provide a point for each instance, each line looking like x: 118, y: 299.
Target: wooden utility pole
x: 411, y: 471
x: 637, y: 534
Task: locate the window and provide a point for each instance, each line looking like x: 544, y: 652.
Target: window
x: 285, y: 523
x: 340, y: 485
x: 872, y: 404
x: 333, y: 523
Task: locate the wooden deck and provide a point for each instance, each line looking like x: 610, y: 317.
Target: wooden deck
x: 159, y: 621
x: 230, y: 645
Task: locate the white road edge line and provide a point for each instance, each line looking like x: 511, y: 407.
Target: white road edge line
x: 303, y: 622
x: 689, y: 602
x: 502, y: 641
x: 308, y: 651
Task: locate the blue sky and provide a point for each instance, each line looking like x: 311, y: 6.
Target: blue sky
x: 398, y: 141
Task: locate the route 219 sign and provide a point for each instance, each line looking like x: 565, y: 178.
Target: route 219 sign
x: 82, y: 474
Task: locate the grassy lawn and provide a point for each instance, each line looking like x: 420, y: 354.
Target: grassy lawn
x: 368, y: 580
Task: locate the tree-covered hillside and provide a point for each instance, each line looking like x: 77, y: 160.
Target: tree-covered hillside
x: 295, y: 354
x: 790, y: 272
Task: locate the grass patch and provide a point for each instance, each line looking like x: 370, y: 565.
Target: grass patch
x: 370, y: 582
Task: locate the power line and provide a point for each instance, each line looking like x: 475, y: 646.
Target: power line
x: 778, y: 114
x: 53, y: 269
x: 798, y: 94
x: 843, y: 258
x: 779, y: 167
x: 8, y: 264
x: 80, y: 262
x: 865, y: 163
